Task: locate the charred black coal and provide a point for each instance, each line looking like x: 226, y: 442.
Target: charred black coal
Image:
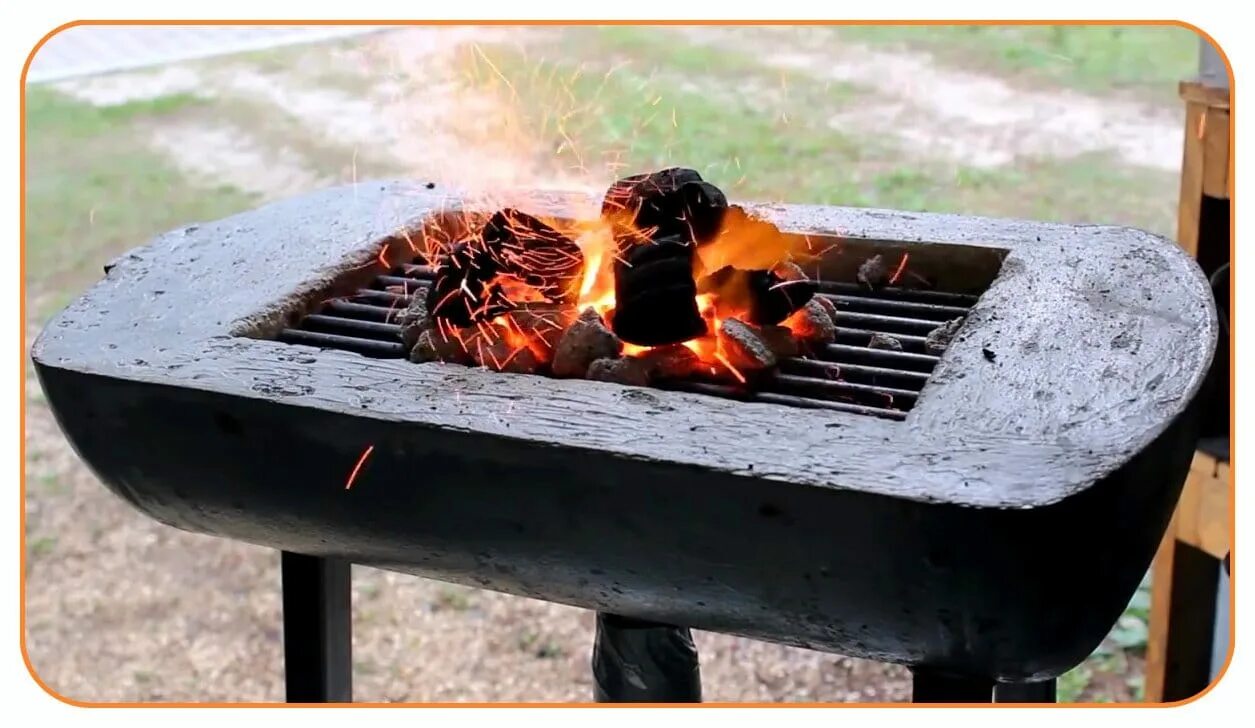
x: 467, y: 286
x: 655, y: 294
x: 464, y: 290
x: 535, y: 253
x: 670, y: 202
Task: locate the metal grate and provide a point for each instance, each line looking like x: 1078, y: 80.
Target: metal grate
x: 847, y: 375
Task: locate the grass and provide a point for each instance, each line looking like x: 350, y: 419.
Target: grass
x: 1144, y: 61
x: 784, y: 149
x: 93, y: 189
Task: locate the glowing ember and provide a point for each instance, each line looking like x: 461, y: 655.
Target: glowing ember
x: 357, y: 468
x: 665, y: 265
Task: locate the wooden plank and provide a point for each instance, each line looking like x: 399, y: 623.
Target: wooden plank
x: 1160, y: 608
x: 1184, y: 627
x: 1191, y: 181
x: 1216, y: 153
x: 1195, y: 92
x: 1203, y: 512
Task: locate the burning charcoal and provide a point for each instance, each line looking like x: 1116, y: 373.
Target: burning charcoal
x: 414, y: 321
x: 884, y: 342
x: 496, y: 353
x: 543, y: 322
x: 812, y: 324
x: 744, y: 348
x: 434, y: 346
x: 872, y: 273
x: 462, y: 291
x: 584, y: 341
x: 655, y: 295
x: 761, y: 296
x: 829, y: 307
x: 626, y: 370
x: 670, y: 202
x: 535, y: 253
x: 675, y: 361
x: 939, y: 338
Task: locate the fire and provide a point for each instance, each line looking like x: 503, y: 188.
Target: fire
x: 499, y: 126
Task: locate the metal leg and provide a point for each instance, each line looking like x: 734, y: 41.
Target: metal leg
x: 1042, y: 691
x: 317, y: 629
x: 644, y: 662
x: 930, y: 686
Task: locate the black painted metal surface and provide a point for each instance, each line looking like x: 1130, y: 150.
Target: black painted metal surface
x: 317, y: 629
x: 946, y: 539
x: 644, y: 662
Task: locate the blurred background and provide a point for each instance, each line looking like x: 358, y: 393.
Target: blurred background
x: 132, y: 131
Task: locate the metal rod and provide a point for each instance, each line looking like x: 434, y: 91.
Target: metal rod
x: 364, y: 310
x: 792, y: 400
x: 321, y: 321
x: 935, y: 311
x: 317, y: 629
x: 903, y: 294
x: 790, y: 383
x: 1041, y: 691
x: 368, y: 347
x: 854, y: 372
x: 879, y: 357
x: 888, y: 324
x: 635, y: 661
x: 851, y: 335
x: 932, y: 686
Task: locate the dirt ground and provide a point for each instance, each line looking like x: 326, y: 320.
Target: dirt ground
x: 122, y: 608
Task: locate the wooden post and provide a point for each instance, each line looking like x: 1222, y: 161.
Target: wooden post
x: 1185, y: 572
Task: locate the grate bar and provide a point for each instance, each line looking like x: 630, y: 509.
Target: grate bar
x: 334, y: 324
x: 846, y: 376
x: 726, y: 391
x: 368, y: 347
x: 915, y: 309
x: 880, y: 357
x: 365, y: 310
x: 898, y: 294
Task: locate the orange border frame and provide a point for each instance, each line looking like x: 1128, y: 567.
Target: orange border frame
x: 22, y: 312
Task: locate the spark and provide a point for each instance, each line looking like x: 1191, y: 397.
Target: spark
x: 514, y: 94
x: 655, y: 103
x: 724, y: 361
x: 357, y: 468
x: 901, y: 267
x: 673, y: 121
x: 383, y: 260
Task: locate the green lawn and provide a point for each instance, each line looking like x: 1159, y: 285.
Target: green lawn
x: 1144, y: 61
x: 764, y: 137
x: 93, y: 189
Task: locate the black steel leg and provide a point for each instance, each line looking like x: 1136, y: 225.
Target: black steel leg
x: 930, y: 686
x: 317, y: 629
x: 1042, y: 691
x: 644, y: 662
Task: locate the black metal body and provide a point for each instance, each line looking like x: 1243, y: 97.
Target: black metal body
x: 946, y: 540
x: 317, y: 629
